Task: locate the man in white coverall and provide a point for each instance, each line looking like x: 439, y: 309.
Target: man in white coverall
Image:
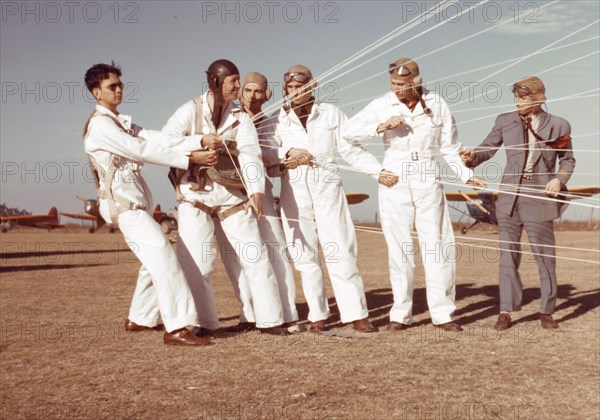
x: 414, y: 122
x: 220, y: 122
x: 254, y: 93
x: 117, y: 149
x: 313, y: 202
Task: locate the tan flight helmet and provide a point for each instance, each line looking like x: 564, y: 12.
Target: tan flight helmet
x: 260, y: 80
x: 406, y: 69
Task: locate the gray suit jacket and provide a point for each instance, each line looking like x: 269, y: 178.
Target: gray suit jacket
x: 509, y: 130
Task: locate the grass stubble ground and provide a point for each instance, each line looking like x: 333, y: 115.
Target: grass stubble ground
x: 64, y: 353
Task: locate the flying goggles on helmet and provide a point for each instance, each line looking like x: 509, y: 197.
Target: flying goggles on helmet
x: 400, y: 70
x: 530, y: 86
x: 298, y: 76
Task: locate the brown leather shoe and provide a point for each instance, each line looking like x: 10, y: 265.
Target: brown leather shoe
x: 548, y: 322
x: 396, y: 326
x: 184, y: 337
x: 364, y: 326
x: 133, y: 327
x: 503, y: 322
x: 274, y: 331
x: 450, y: 326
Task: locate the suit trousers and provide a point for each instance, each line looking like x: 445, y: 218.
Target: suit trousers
x: 539, y: 235
x: 161, y: 289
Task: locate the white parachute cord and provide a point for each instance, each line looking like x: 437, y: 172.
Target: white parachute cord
x: 382, y: 41
x: 556, y: 257
x: 525, y: 58
x: 402, y: 43
x: 445, y: 46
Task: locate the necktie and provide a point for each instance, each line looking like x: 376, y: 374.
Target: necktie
x: 526, y: 129
x: 530, y: 144
x: 303, y: 116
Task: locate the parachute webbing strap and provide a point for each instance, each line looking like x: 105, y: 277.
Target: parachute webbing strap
x: 176, y: 174
x: 94, y: 167
x: 199, y: 115
x: 231, y: 211
x: 234, y: 126
x: 221, y: 215
x: 106, y: 193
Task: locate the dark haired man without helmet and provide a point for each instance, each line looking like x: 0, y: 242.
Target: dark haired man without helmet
x: 117, y: 149
x: 529, y: 135
x: 414, y: 122
x: 314, y: 206
x: 228, y: 132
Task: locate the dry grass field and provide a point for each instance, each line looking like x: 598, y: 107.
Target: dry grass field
x: 64, y: 353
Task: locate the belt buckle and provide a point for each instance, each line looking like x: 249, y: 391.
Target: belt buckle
x: 134, y: 206
x: 414, y: 155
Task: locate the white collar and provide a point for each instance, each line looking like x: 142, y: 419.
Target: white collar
x: 125, y: 119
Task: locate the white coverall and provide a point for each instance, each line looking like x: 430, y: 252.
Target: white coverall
x: 161, y: 285
x: 196, y: 248
x: 315, y: 209
x: 417, y: 197
x: 271, y: 232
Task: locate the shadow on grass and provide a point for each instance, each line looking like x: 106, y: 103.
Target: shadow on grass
x: 380, y: 301
x: 29, y: 254
x: 16, y: 268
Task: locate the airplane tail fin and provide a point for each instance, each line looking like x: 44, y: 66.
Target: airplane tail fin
x: 53, y: 213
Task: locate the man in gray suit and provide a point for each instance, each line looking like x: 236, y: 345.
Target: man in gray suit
x: 529, y: 189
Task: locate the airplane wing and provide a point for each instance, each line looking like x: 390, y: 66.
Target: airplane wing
x: 45, y: 221
x: 356, y: 198
x: 573, y: 193
x: 34, y: 218
x: 79, y: 216
x: 460, y: 196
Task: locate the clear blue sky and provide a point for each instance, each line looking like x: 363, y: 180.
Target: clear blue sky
x: 164, y: 48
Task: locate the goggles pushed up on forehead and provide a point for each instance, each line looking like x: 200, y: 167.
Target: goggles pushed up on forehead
x: 297, y: 76
x: 114, y: 86
x: 401, y: 70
